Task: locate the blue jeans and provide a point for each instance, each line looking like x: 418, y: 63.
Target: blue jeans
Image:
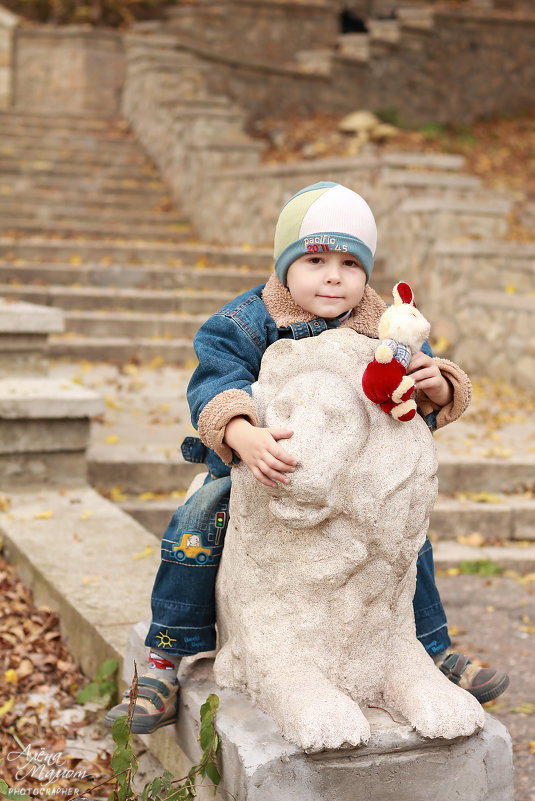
x: 183, y: 596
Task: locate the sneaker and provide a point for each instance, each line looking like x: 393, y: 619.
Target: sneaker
x: 483, y: 683
x: 156, y: 705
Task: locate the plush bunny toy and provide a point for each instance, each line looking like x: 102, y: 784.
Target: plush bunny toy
x: 403, y: 330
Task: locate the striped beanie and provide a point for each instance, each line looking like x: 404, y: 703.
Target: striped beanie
x: 324, y: 217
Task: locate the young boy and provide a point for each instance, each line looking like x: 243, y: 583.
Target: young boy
x: 325, y: 243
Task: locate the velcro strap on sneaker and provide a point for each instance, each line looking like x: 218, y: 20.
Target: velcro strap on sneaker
x: 454, y: 666
x: 159, y: 686
x: 152, y: 696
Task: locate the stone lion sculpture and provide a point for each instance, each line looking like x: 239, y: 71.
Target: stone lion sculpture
x: 315, y: 586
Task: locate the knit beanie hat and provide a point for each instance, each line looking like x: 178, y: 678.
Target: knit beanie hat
x: 324, y: 217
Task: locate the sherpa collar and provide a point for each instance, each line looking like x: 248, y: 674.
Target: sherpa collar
x: 284, y: 310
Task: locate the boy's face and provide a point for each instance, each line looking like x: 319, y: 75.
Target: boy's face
x: 326, y: 284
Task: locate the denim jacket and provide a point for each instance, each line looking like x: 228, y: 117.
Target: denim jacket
x: 229, y: 347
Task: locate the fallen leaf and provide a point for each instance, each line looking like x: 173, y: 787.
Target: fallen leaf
x: 5, y: 503
x: 112, y: 403
x: 494, y: 704
x: 510, y: 289
x: 117, y: 494
x: 531, y: 746
x: 475, y: 540
x: 130, y: 369
x: 25, y: 668
x: 480, y: 497
x: 148, y: 496
x: 58, y: 744
x: 75, y: 259
x: 7, y: 707
x: 454, y: 631
x: 44, y: 515
x: 113, y: 439
x: 147, y: 552
x: 11, y: 676
x: 155, y: 363
x: 86, y: 514
x: 490, y: 608
x: 524, y: 709
x: 440, y: 345
x: 90, y: 579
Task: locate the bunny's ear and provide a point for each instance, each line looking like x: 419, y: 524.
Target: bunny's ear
x: 402, y: 294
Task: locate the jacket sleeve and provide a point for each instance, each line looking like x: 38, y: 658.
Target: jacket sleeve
x: 220, y: 388
x: 439, y: 416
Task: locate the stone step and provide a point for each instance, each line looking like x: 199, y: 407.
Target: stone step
x: 33, y: 207
x: 354, y: 45
x: 90, y: 298
x: 153, y: 515
x: 489, y: 474
x: 142, y: 252
x: 14, y: 134
x: 24, y: 330
x: 79, y: 170
x: 28, y: 149
x: 124, y: 200
x: 22, y: 121
x: 137, y: 474
x: 405, y: 160
x: 449, y: 554
x: 511, y: 517
x: 132, y: 276
x: 128, y: 325
x: 44, y: 426
x: 151, y: 187
x: 423, y: 180
x: 98, y: 229
x: 121, y: 350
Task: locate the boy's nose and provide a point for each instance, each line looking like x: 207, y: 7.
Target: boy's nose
x: 333, y: 276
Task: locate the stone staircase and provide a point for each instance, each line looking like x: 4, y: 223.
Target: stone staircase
x: 86, y: 225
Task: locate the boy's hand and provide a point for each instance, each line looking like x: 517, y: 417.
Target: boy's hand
x: 428, y: 377
x: 257, y: 447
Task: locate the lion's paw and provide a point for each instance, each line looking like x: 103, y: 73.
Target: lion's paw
x: 335, y: 721
x: 449, y: 713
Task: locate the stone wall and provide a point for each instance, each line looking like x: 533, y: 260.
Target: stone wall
x: 72, y: 69
x: 446, y: 65
x: 467, y: 65
x: 8, y: 24
x: 259, y: 31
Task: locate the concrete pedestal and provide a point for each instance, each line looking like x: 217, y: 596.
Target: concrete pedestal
x: 258, y: 764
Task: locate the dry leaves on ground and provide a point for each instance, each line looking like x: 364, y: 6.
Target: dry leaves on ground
x: 38, y: 679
